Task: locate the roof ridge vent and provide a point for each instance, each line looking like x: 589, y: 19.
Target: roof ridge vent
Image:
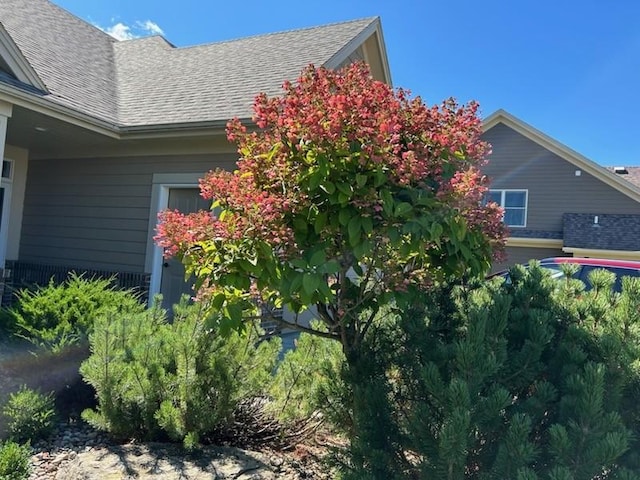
x: 620, y: 170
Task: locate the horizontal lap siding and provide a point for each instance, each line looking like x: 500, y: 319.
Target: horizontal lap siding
x: 94, y: 213
x: 516, y: 255
x: 554, y: 189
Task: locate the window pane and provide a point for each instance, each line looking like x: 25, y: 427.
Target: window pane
x: 514, y: 216
x: 515, y: 199
x: 6, y: 169
x: 494, y: 196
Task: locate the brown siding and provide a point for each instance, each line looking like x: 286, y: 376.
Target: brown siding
x: 94, y: 213
x: 524, y: 254
x: 554, y: 189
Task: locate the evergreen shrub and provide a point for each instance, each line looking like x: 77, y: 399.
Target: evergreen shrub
x: 58, y: 315
x: 181, y: 380
x: 15, y: 461
x: 31, y: 415
x: 538, y: 379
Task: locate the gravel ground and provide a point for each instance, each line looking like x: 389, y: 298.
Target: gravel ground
x: 76, y: 452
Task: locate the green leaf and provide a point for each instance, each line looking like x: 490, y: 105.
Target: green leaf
x: 320, y: 222
x: 367, y: 225
x: 218, y: 300
x: 344, y: 216
x: 403, y: 209
x: 328, y: 187
x: 361, y: 180
x: 387, y: 202
x: 354, y: 228
x: 299, y: 263
x: 301, y: 225
x: 233, y: 312
x: 380, y: 178
x: 310, y: 283
x: 362, y: 249
x: 314, y: 179
x: 436, y: 230
x: 330, y: 267
x: 346, y: 189
x: 318, y: 258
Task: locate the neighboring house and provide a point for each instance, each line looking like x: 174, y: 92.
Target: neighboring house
x: 98, y: 135
x: 557, y: 202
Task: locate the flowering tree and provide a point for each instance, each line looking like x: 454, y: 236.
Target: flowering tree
x: 349, y: 196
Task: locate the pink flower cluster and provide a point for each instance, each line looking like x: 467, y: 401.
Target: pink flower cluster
x: 362, y: 126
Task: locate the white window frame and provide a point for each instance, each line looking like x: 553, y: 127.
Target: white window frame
x: 503, y: 192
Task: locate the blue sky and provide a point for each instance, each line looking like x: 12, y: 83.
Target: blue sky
x: 570, y: 68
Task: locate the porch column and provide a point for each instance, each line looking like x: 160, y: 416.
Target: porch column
x: 5, y: 113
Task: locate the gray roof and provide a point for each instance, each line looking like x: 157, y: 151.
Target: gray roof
x: 148, y: 81
x: 73, y: 58
x: 630, y: 174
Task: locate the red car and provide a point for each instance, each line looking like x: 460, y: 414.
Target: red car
x: 621, y: 268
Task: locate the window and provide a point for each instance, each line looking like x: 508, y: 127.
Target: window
x: 514, y: 203
x: 7, y: 169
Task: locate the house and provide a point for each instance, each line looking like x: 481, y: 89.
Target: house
x: 98, y: 135
x: 557, y: 202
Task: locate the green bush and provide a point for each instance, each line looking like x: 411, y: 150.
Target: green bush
x: 156, y: 379
x: 31, y: 414
x: 302, y: 380
x: 15, y: 461
x: 538, y: 379
x: 55, y: 316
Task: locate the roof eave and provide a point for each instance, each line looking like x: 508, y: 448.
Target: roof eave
x: 175, y: 129
x: 564, y: 152
x: 55, y: 110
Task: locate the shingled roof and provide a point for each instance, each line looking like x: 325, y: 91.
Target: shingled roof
x: 630, y: 174
x: 148, y: 81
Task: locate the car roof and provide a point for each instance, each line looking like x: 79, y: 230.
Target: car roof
x: 598, y: 262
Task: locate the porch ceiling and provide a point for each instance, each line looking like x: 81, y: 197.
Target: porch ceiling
x: 45, y: 136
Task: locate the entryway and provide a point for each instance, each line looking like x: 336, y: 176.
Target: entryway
x: 172, y: 282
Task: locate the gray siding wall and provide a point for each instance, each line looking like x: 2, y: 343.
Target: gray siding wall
x: 94, y: 213
x: 554, y: 189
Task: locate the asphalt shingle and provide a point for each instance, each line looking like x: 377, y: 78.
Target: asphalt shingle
x: 73, y: 58
x: 217, y: 81
x: 632, y: 174
x: 148, y: 81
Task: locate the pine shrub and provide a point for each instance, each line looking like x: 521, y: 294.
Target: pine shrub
x: 31, y: 414
x: 15, y: 461
x: 538, y: 379
x: 300, y: 385
x: 179, y: 380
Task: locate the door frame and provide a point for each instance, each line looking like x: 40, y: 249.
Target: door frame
x: 162, y: 183
x: 6, y: 184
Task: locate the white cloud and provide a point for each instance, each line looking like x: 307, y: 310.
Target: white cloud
x: 119, y: 31
x: 139, y: 29
x: 150, y: 27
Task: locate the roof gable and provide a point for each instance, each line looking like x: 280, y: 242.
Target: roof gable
x: 14, y: 64
x: 613, y: 180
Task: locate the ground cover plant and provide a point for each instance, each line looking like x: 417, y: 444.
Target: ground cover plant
x: 57, y: 316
